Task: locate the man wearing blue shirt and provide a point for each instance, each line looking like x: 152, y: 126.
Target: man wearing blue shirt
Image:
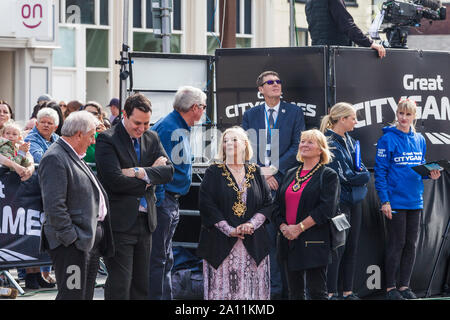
x: 174, y: 131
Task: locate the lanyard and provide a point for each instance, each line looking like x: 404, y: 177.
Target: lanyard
x: 268, y: 125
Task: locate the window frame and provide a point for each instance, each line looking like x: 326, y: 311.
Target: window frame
x: 144, y: 28
x: 81, y: 28
x: 216, y: 34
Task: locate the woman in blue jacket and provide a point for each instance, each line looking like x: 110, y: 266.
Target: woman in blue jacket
x: 400, y: 191
x: 353, y: 177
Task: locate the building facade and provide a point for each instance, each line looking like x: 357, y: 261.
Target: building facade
x: 78, y: 61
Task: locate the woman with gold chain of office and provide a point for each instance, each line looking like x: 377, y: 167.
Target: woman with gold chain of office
x: 235, y: 202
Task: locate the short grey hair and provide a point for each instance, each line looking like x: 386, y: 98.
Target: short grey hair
x: 79, y: 121
x: 186, y: 97
x: 50, y: 113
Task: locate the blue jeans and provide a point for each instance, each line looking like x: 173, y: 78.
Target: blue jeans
x: 161, y: 258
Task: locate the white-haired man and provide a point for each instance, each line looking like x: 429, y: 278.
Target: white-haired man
x: 173, y: 130
x: 77, y: 228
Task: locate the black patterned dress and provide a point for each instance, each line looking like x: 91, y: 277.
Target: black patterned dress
x: 238, y: 277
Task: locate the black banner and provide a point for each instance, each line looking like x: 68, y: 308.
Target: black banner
x: 20, y: 222
x: 375, y: 86
x: 302, y: 70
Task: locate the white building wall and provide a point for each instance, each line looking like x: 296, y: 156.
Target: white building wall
x: 429, y: 42
x: 26, y: 66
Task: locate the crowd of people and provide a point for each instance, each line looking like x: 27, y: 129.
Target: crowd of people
x: 23, y: 147
x: 265, y: 223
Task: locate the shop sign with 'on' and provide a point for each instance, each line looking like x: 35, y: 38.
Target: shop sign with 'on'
x: 35, y: 19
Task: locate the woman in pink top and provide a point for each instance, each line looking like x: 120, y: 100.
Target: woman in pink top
x: 305, y: 202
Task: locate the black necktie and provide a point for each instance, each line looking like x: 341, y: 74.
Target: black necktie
x: 271, y: 126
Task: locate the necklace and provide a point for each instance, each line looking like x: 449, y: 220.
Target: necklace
x: 300, y: 180
x: 239, y: 206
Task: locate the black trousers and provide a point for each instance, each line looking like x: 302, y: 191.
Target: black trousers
x: 313, y: 280
x: 128, y: 276
x: 341, y: 271
x: 403, y: 234
x: 76, y: 270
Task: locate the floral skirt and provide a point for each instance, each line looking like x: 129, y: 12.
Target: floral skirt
x: 238, y: 277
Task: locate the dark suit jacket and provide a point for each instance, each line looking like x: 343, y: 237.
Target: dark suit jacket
x: 70, y: 202
x: 290, y: 123
x: 114, y: 151
x: 312, y: 248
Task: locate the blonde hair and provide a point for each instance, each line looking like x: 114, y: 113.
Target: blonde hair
x: 241, y: 134
x: 13, y: 125
x: 338, y: 111
x: 319, y: 137
x: 407, y: 105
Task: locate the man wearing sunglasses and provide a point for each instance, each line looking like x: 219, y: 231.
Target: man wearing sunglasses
x: 274, y: 129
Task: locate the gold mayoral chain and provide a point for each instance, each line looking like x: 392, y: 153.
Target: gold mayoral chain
x: 300, y: 180
x: 239, y: 206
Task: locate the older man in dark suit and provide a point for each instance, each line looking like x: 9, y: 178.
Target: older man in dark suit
x: 77, y: 229
x: 130, y: 162
x: 274, y: 129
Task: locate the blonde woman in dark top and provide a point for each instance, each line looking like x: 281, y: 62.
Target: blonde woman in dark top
x: 235, y: 202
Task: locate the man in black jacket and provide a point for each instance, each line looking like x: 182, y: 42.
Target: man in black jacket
x: 130, y: 162
x: 329, y: 23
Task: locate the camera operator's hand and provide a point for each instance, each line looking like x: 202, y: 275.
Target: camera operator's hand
x: 381, y: 50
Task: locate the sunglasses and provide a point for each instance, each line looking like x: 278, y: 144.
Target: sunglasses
x: 271, y: 82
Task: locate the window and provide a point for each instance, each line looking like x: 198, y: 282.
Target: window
x: 97, y: 48
x: 93, y: 12
x: 143, y: 35
x: 80, y: 11
x: 302, y: 37
x: 65, y: 56
x: 244, y: 24
x: 82, y: 67
x: 104, y: 12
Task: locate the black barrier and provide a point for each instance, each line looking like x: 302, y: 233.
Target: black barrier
x: 375, y: 86
x: 20, y: 222
x: 302, y: 70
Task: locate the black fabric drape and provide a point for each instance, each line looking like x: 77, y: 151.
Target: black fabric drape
x: 373, y: 236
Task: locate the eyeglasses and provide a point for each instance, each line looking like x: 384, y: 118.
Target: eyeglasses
x: 272, y: 82
x: 202, y: 106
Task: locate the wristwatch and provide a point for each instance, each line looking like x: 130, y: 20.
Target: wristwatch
x: 386, y: 202
x: 136, y: 172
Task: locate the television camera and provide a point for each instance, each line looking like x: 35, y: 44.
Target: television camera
x: 396, y: 17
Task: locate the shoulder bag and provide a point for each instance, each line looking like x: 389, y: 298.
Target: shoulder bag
x: 338, y: 225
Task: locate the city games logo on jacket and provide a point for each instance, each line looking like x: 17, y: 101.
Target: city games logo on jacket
x: 409, y: 158
x: 429, y: 107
